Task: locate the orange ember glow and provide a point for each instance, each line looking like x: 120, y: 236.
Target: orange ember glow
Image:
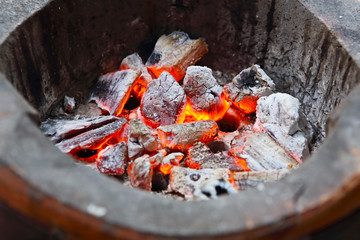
x: 247, y: 104
x: 214, y: 114
x: 242, y: 163
x: 175, y: 71
x: 165, y: 169
x: 191, y: 164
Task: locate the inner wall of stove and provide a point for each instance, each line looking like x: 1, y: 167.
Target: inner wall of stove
x: 64, y: 47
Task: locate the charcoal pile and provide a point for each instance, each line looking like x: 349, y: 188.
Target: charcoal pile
x: 187, y: 134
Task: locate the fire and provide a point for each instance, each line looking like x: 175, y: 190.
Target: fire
x: 175, y: 71
x: 213, y: 114
x: 248, y: 104
x: 242, y: 163
x: 165, y: 169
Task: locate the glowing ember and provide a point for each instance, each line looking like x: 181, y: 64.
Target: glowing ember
x: 212, y: 142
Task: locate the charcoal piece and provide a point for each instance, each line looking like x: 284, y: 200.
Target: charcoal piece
x: 112, y: 160
x: 261, y: 152
x: 213, y: 188
x: 182, y: 136
x: 279, y: 115
x: 247, y: 180
x: 186, y: 180
x: 112, y: 90
x: 59, y: 129
x: 174, y: 53
x: 69, y: 104
x: 169, y: 161
x: 91, y: 139
x: 200, y: 157
x: 140, y: 173
x: 247, y: 87
x: 205, y: 97
x: 164, y: 102
x: 134, y: 62
x: 140, y: 139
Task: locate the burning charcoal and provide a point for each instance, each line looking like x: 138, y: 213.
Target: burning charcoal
x: 173, y: 159
x: 174, y: 53
x: 186, y: 181
x: 182, y: 136
x: 112, y: 90
x: 91, y: 139
x: 140, y: 139
x: 279, y: 116
x: 247, y: 87
x: 140, y: 173
x: 59, y: 129
x: 246, y: 180
x: 204, y: 95
x: 261, y: 152
x: 69, y: 104
x: 201, y: 157
x: 112, y: 160
x: 164, y: 102
x: 214, y: 188
x: 134, y: 62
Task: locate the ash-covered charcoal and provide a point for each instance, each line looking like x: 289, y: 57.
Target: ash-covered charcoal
x: 134, y: 62
x: 247, y: 87
x: 261, y: 152
x: 214, y: 188
x: 69, y: 104
x: 164, y: 102
x: 140, y: 173
x: 182, y: 136
x: 60, y: 129
x: 200, y: 157
x: 112, y: 160
x: 112, y: 90
x: 169, y: 161
x: 204, y: 95
x: 91, y: 139
x: 140, y: 139
x: 174, y: 53
x: 186, y: 180
x: 247, y: 180
x: 279, y: 115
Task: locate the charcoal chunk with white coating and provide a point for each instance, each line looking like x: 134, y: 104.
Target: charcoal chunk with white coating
x: 112, y: 90
x: 182, y: 136
x: 164, y: 102
x: 112, y: 160
x: 174, y: 53
x: 279, y: 115
x: 140, y: 139
x: 205, y: 96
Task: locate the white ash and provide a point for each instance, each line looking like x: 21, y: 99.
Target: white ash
x: 186, y: 181
x: 251, y: 81
x: 59, y: 129
x: 69, y: 104
x: 213, y: 188
x: 182, y: 136
x: 174, y: 53
x: 140, y: 173
x: 279, y: 115
x: 140, y: 139
x: 113, y: 159
x: 164, y: 101
x: 202, y: 90
x: 261, y: 152
x: 112, y: 90
x: 247, y: 180
x: 172, y: 159
x: 135, y: 63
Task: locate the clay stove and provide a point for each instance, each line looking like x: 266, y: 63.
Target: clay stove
x: 56, y: 51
